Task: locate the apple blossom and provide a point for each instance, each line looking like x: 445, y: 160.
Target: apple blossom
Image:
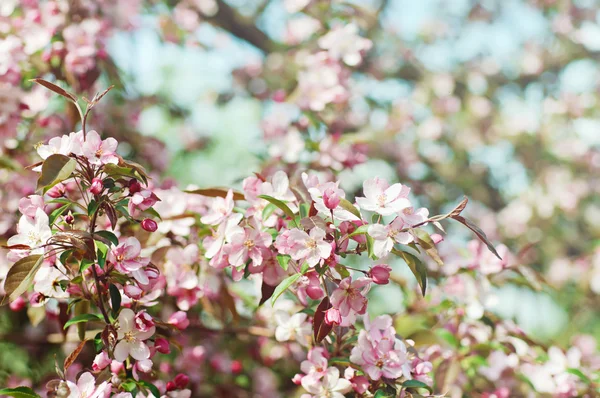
x: 383, y: 198
x: 131, y: 338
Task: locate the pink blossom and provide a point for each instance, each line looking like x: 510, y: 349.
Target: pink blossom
x: 331, y: 385
x: 343, y: 42
x: 143, y: 321
x: 99, y: 152
x: 380, y: 274
x: 141, y: 201
x: 382, y: 198
x: 179, y: 320
x: 86, y: 387
x: 101, y: 361
x: 32, y: 232
x: 315, y: 366
x: 309, y: 285
x: 310, y: 248
x: 360, y: 384
x: 126, y: 259
x: 320, y: 192
x: 219, y: 211
x: 333, y: 316
x: 29, y: 205
x: 349, y: 296
x: 385, y: 236
x: 64, y: 145
x: 131, y: 339
x: 249, y: 243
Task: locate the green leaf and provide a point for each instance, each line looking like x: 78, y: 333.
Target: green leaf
x: 288, y: 212
x: 425, y: 241
x: 92, y: 207
x: 56, y: 213
x: 304, y: 210
x: 343, y: 271
x: 579, y: 374
x: 129, y: 385
x: 114, y: 170
x: 115, y: 298
x: 109, y: 236
x: 370, y: 243
x: 416, y: 384
x: 268, y: 210
x: 416, y: 266
x: 82, y: 318
x: 85, y: 264
x: 284, y: 261
x: 19, y: 392
x: 101, y: 253
x: 283, y: 286
x: 20, y: 276
x: 55, y: 169
x: 153, y: 389
x: 362, y: 230
x: 346, y: 205
x: 304, y: 269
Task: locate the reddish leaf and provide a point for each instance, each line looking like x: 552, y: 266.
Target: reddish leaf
x: 216, y: 192
x: 73, y: 356
x: 266, y: 293
x: 320, y: 328
x: 17, y: 247
x: 53, y: 87
x: 480, y: 234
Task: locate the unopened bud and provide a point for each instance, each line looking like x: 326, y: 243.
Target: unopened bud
x: 149, y: 225
x: 97, y: 186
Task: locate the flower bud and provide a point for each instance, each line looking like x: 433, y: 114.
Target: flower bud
x: 181, y: 381
x: 149, y: 225
x: 179, y: 320
x: 69, y: 219
x: 297, y: 379
x: 143, y: 321
x: 162, y: 345
x: 171, y: 386
x: 279, y: 96
x: 18, y: 304
x: 97, y: 186
x: 333, y: 316
x: 437, y: 238
x: 134, y: 187
x: 57, y: 191
x: 380, y: 274
x: 236, y: 367
x: 101, y: 361
x: 331, y: 199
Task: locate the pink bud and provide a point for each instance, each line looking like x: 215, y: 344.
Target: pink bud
x: 179, y: 320
x: 134, y: 187
x: 181, y: 381
x: 143, y: 321
x: 101, y: 361
x: 380, y: 274
x: 36, y: 299
x: 18, y: 304
x: 69, y: 219
x: 236, y: 367
x: 149, y: 225
x: 360, y: 384
x: 171, y: 386
x: 331, y: 199
x: 162, y: 345
x: 57, y: 191
x: 437, y: 238
x: 116, y: 367
x: 297, y: 379
x: 333, y: 316
x: 279, y: 96
x: 97, y: 186
x: 133, y: 291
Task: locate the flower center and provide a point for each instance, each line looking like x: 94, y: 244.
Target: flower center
x: 381, y: 199
x: 33, y: 236
x: 129, y: 337
x: 311, y: 243
x: 249, y: 244
x: 120, y: 258
x: 99, y: 153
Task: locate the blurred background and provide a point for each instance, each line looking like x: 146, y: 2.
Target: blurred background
x: 495, y: 100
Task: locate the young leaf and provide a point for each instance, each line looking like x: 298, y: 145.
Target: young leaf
x: 266, y: 293
x: 216, y: 192
x: 282, y: 287
x: 346, y: 205
x: 55, y: 169
x: 288, y: 212
x: 58, y: 90
x: 20, y: 276
x: 320, y: 328
x: 18, y: 392
x: 480, y: 234
x: 73, y: 356
x: 425, y: 241
x: 284, y: 261
x: 56, y: 213
x: 82, y: 318
x: 416, y: 266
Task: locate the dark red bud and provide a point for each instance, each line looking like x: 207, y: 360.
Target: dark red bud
x: 149, y: 225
